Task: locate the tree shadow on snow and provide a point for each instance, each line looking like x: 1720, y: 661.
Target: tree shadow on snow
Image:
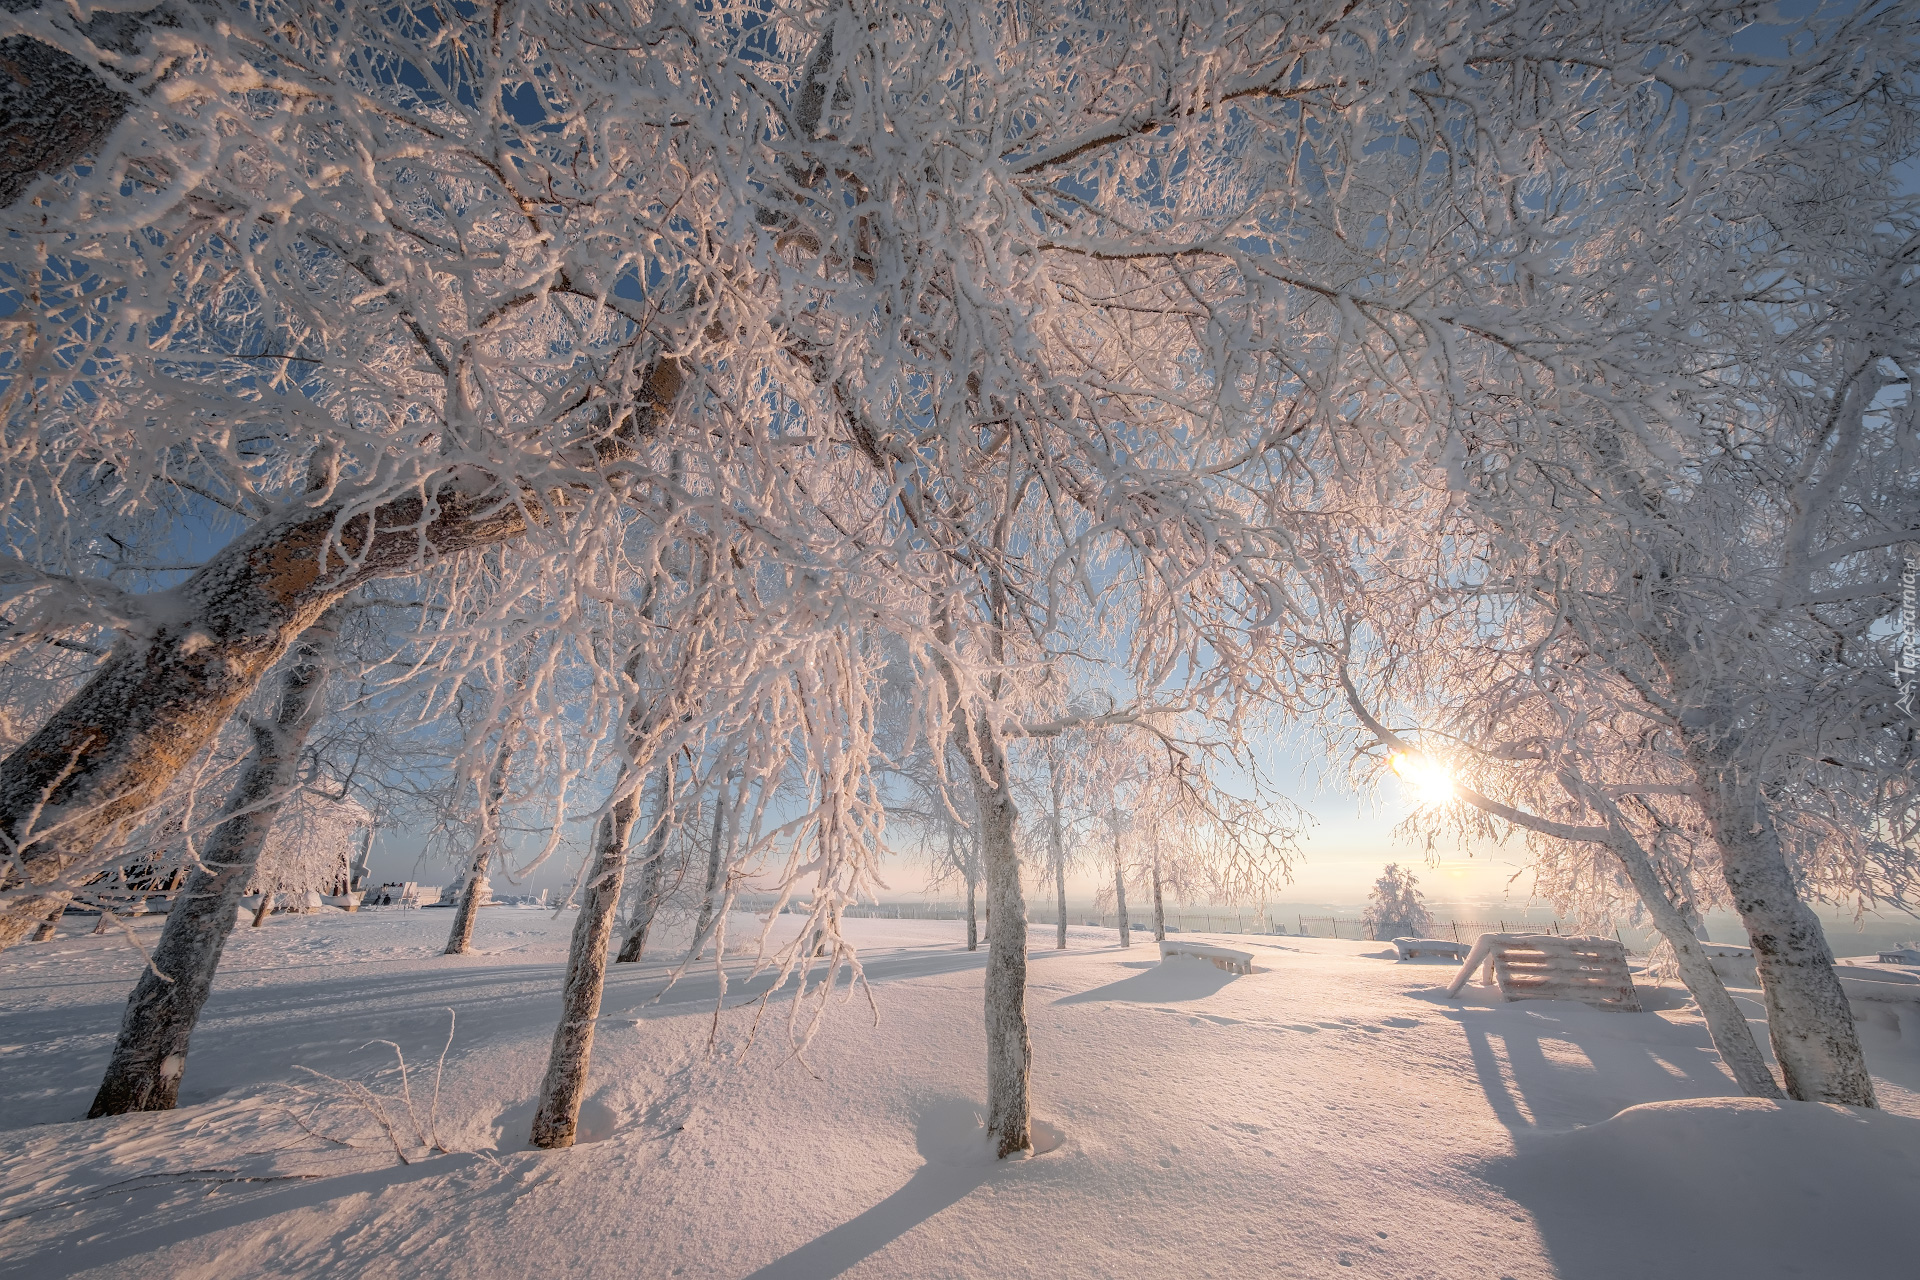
x: 134, y: 1231
x: 951, y: 1137
x: 1169, y: 981
x: 1552, y: 1065
x: 1727, y: 1189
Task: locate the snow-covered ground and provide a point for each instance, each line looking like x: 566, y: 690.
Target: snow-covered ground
x: 1331, y: 1114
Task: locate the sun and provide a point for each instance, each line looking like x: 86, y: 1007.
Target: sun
x: 1431, y: 780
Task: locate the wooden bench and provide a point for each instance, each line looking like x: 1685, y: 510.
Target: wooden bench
x: 1416, y: 948
x: 1541, y: 966
x: 1226, y: 958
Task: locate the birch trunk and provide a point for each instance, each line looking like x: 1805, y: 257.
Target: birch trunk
x: 647, y: 902
x: 565, y: 1084
x: 1726, y: 1024
x: 722, y: 841
x: 1808, y: 1017
x: 150, y: 1054
x: 49, y: 927
x: 1058, y: 850
x: 107, y: 754
x: 103, y: 758
x: 1120, y: 897
x: 460, y: 937
x: 1159, y: 907
x: 973, y: 884
x: 1009, y: 1047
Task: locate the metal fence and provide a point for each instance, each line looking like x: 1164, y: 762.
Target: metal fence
x: 1458, y: 930
x: 1201, y: 921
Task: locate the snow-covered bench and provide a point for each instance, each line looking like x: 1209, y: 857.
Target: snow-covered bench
x: 1542, y: 966
x: 1226, y: 958
x: 1882, y: 995
x: 1415, y: 948
x: 1733, y: 962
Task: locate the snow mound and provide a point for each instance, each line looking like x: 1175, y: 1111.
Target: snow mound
x: 1723, y: 1187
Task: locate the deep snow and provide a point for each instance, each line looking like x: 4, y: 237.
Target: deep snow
x: 1331, y: 1114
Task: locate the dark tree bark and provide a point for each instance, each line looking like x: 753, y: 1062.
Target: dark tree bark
x: 54, y: 109
x: 151, y: 1053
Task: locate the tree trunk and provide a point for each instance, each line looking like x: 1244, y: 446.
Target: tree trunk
x: 1808, y: 1017
x: 151, y: 1053
x: 103, y: 759
x: 476, y: 890
x: 1120, y: 897
x: 722, y: 840
x: 1058, y: 850
x: 973, y: 884
x: 1009, y: 1047
x: 265, y: 909
x: 565, y: 1085
x: 53, y: 109
x: 49, y: 927
x: 1159, y: 907
x: 647, y: 902
x: 1726, y: 1024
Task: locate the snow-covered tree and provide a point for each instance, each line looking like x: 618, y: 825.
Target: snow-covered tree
x: 1395, y: 908
x: 969, y: 329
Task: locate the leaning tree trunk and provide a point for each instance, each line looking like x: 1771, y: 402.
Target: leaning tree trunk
x: 1120, y: 898
x: 565, y: 1085
x: 54, y: 109
x: 102, y: 760
x: 151, y: 1053
x: 1726, y: 1024
x: 104, y: 757
x: 1808, y: 1017
x: 1159, y: 907
x: 1009, y: 1047
x: 476, y: 889
x: 648, y: 900
x: 50, y: 927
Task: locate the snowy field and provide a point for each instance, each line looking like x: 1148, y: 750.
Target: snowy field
x: 1331, y: 1114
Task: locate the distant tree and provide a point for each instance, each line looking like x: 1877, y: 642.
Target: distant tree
x: 1395, y: 909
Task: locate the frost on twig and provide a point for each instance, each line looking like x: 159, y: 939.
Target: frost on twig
x: 395, y: 1120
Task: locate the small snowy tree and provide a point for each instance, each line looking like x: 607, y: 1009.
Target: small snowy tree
x: 1394, y: 908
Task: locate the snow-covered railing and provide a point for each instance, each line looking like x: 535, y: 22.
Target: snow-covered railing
x: 1227, y: 958
x: 1540, y: 966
